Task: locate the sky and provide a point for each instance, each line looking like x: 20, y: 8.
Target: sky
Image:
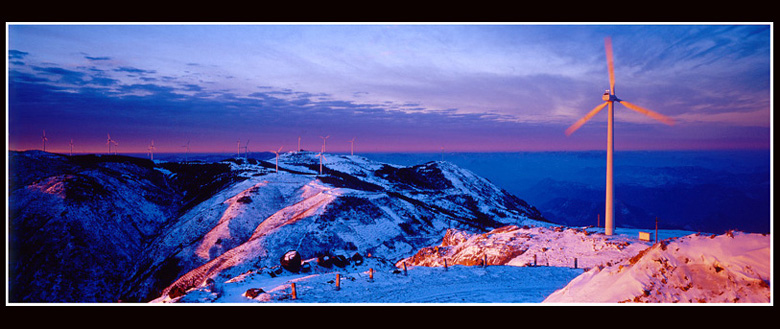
x: 407, y: 87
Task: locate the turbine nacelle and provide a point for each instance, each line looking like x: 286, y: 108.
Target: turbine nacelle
x: 607, y: 97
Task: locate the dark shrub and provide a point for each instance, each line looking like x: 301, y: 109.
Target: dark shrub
x: 340, y: 261
x: 325, y: 261
x: 357, y: 259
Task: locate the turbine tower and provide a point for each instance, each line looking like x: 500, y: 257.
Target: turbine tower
x: 609, y: 100
x: 322, y: 157
x: 151, y: 151
x: 277, y: 157
x: 246, y: 150
x: 44, y: 139
x: 238, y: 148
x: 299, y: 144
x: 323, y: 143
x: 71, y: 147
x: 352, y: 146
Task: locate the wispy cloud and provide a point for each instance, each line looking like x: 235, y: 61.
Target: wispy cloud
x: 133, y: 70
x: 16, y: 54
x: 104, y: 58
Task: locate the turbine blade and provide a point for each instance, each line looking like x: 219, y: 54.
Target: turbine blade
x: 655, y: 115
x: 610, y: 64
x: 584, y: 119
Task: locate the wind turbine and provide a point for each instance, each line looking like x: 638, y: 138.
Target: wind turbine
x: 108, y: 142
x: 71, y: 147
x: 299, y: 144
x: 609, y: 99
x: 186, y: 151
x: 238, y: 148
x: 277, y: 158
x: 44, y: 139
x: 322, y: 157
x: 151, y: 150
x: 323, y: 143
x: 246, y: 149
x: 352, y: 146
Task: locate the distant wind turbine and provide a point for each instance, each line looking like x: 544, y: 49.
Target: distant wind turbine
x: 238, y: 148
x: 352, y: 146
x: 151, y: 150
x: 277, y: 157
x: 44, y: 139
x: 109, y: 141
x: 186, y: 151
x: 323, y: 142
x: 609, y: 99
x: 246, y: 149
x: 299, y: 143
x: 71, y: 147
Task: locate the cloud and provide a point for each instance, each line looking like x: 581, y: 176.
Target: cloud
x: 128, y: 69
x: 16, y: 54
x: 354, y: 89
x: 104, y: 58
x: 62, y: 75
x: 71, y: 77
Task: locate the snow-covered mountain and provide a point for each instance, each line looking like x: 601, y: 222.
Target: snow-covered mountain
x: 357, y: 205
x: 77, y: 224
x: 554, y: 265
x: 107, y: 228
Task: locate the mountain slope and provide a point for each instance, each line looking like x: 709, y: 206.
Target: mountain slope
x: 76, y: 224
x: 728, y: 268
x: 356, y: 206
x: 733, y: 268
x: 106, y: 228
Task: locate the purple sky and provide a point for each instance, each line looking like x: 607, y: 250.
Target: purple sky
x: 405, y: 87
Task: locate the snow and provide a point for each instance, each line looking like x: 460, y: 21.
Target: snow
x: 231, y: 243
x: 733, y: 267
x: 420, y: 285
x: 533, y: 263
x: 605, y: 273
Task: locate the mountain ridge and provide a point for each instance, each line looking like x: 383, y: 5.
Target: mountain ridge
x: 183, y: 216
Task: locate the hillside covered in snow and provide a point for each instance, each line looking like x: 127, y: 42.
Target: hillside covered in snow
x: 338, y: 229
x: 697, y: 268
x: 520, y: 265
x: 98, y: 228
